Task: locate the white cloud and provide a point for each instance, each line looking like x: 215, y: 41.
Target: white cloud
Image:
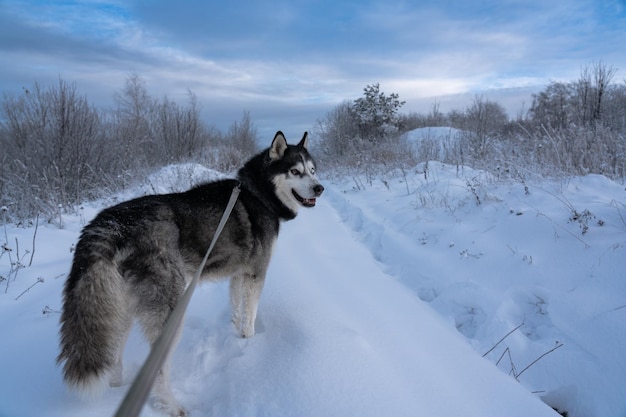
x: 423, y: 52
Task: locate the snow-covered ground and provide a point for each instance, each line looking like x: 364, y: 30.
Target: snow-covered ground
x: 381, y: 300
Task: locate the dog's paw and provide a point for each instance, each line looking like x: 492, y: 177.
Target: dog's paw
x: 115, y: 383
x: 169, y: 407
x: 247, y: 333
x: 116, y: 380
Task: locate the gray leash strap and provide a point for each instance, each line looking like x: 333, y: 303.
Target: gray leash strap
x: 136, y: 396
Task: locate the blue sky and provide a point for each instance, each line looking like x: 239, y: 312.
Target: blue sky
x: 289, y: 62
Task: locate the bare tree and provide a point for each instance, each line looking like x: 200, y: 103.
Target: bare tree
x: 338, y: 132
x: 150, y: 132
x: 614, y: 114
x: 591, y: 90
x: 484, y: 119
x: 237, y: 145
x: 243, y: 136
x: 132, y: 137
x: 53, y: 144
x: 176, y: 131
x: 552, y: 107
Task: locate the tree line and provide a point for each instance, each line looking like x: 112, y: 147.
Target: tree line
x: 570, y: 128
x: 58, y: 150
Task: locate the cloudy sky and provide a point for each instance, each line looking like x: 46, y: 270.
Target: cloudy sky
x: 288, y: 62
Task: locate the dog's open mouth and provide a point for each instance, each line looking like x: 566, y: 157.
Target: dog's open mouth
x: 306, y: 202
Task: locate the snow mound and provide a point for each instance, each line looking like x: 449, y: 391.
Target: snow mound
x: 437, y: 133
x: 178, y: 177
x: 435, y: 143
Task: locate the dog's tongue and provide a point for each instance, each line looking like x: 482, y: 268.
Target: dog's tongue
x: 306, y: 202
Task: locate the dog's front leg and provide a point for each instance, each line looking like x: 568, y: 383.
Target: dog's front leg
x: 236, y: 301
x: 245, y: 292
x: 252, y: 287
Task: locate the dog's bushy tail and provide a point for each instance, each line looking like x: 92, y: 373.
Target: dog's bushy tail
x: 95, y: 317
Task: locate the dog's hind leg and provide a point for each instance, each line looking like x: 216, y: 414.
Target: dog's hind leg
x: 160, y: 292
x: 245, y: 292
x: 163, y: 397
x: 116, y: 377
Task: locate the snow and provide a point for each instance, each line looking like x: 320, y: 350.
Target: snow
x: 379, y: 301
x: 436, y: 142
x: 440, y: 133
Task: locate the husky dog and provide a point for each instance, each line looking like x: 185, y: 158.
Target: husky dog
x: 134, y: 260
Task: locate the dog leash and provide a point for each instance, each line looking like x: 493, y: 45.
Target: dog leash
x: 136, y: 396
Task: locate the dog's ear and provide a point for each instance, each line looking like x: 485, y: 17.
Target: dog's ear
x: 279, y: 145
x: 304, y: 143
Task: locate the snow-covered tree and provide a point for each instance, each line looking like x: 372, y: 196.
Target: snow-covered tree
x: 376, y: 113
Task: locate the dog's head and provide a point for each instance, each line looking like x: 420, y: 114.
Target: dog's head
x: 295, y: 177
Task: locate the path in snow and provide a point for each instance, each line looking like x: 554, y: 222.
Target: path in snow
x: 514, y: 258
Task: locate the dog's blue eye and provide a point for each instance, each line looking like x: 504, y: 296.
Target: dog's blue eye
x: 295, y: 172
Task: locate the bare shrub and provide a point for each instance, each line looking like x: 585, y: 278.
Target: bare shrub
x: 53, y: 143
x: 59, y: 150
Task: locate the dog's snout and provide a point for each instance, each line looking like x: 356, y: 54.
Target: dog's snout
x: 318, y: 189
